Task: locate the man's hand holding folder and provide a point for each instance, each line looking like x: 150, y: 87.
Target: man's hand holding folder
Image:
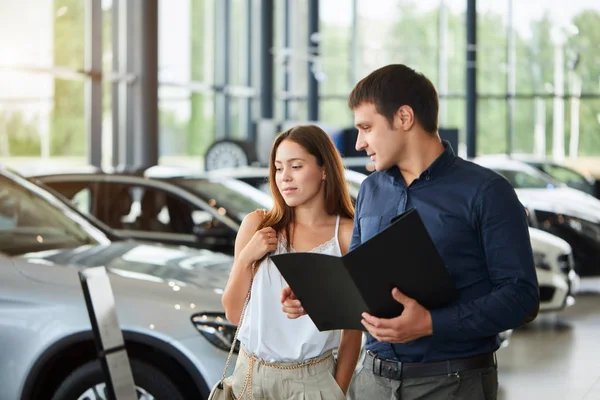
x: 412, y: 324
x: 355, y: 291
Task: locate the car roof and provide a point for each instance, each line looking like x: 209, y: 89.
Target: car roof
x: 502, y: 161
x: 167, y: 173
x: 241, y: 172
x: 263, y: 172
x: 59, y: 170
x: 140, y: 172
x: 530, y: 159
x: 170, y: 172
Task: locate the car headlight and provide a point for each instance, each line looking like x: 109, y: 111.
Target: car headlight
x: 540, y: 261
x: 584, y: 227
x: 216, y: 329
x: 565, y: 263
x: 575, y: 224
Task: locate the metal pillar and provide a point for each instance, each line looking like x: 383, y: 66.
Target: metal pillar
x: 135, y: 83
x: 246, y: 112
x: 471, y: 89
x: 146, y: 105
x: 287, y: 63
x: 354, y: 45
x: 115, y: 84
x: 511, y: 79
x: 222, y: 49
x: 443, y: 63
x: 93, y: 86
x: 558, y: 113
x: 312, y: 105
x: 124, y: 93
x: 266, y: 59
x: 575, y: 83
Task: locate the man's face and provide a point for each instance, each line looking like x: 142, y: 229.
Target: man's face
x: 381, y: 141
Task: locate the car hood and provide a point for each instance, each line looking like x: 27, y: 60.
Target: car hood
x: 562, y: 200
x: 173, y: 265
x: 545, y: 242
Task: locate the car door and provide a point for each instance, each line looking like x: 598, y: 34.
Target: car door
x: 145, y: 211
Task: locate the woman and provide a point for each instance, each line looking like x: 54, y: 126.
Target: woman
x: 285, y: 358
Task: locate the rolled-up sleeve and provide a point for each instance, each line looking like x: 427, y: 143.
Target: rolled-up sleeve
x: 504, y: 234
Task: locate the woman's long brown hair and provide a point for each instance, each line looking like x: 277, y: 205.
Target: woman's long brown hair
x: 337, y: 198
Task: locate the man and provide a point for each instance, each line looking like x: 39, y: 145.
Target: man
x: 479, y: 228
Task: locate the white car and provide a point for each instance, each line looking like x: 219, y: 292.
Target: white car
x: 557, y: 279
x: 555, y: 208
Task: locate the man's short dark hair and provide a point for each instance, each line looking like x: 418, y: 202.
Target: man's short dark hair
x: 394, y: 86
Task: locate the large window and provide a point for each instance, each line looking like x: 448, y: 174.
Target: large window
x: 557, y: 60
x: 185, y: 72
x: 42, y: 82
x: 205, y: 69
x: 538, y: 71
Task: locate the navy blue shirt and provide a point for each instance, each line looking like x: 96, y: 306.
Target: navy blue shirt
x: 479, y: 227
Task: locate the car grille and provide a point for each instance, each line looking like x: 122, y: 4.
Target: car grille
x: 546, y: 293
x: 565, y: 263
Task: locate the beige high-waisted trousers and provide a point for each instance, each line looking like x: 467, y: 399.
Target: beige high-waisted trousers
x: 312, y: 379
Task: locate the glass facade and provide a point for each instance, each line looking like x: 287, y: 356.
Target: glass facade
x: 538, y: 71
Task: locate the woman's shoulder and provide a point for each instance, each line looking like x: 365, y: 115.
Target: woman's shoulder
x: 345, y: 235
x: 346, y: 222
x: 253, y: 220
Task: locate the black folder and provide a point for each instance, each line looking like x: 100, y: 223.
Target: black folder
x: 335, y: 291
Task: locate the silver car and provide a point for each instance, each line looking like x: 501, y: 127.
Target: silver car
x: 168, y: 303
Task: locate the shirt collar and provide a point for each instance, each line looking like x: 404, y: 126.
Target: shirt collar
x: 436, y: 167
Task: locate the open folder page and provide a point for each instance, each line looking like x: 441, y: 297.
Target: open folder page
x: 335, y: 291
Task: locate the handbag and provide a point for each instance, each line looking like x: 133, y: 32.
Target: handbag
x: 223, y: 389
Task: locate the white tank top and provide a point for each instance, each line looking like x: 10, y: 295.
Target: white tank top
x: 267, y: 332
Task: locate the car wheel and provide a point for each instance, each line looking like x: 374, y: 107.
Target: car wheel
x: 87, y: 382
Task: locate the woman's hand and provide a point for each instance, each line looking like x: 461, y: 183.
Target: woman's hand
x: 291, y: 306
x: 263, y: 242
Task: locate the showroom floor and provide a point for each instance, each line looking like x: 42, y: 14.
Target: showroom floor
x: 558, y: 356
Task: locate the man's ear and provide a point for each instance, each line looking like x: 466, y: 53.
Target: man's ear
x: 405, y: 117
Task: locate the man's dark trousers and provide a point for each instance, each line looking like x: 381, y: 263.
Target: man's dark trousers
x: 471, y: 384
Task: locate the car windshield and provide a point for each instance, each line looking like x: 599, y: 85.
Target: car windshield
x: 30, y: 223
x: 527, y: 180
x: 230, y: 197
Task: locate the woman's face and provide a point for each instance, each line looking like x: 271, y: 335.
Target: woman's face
x: 298, y: 176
